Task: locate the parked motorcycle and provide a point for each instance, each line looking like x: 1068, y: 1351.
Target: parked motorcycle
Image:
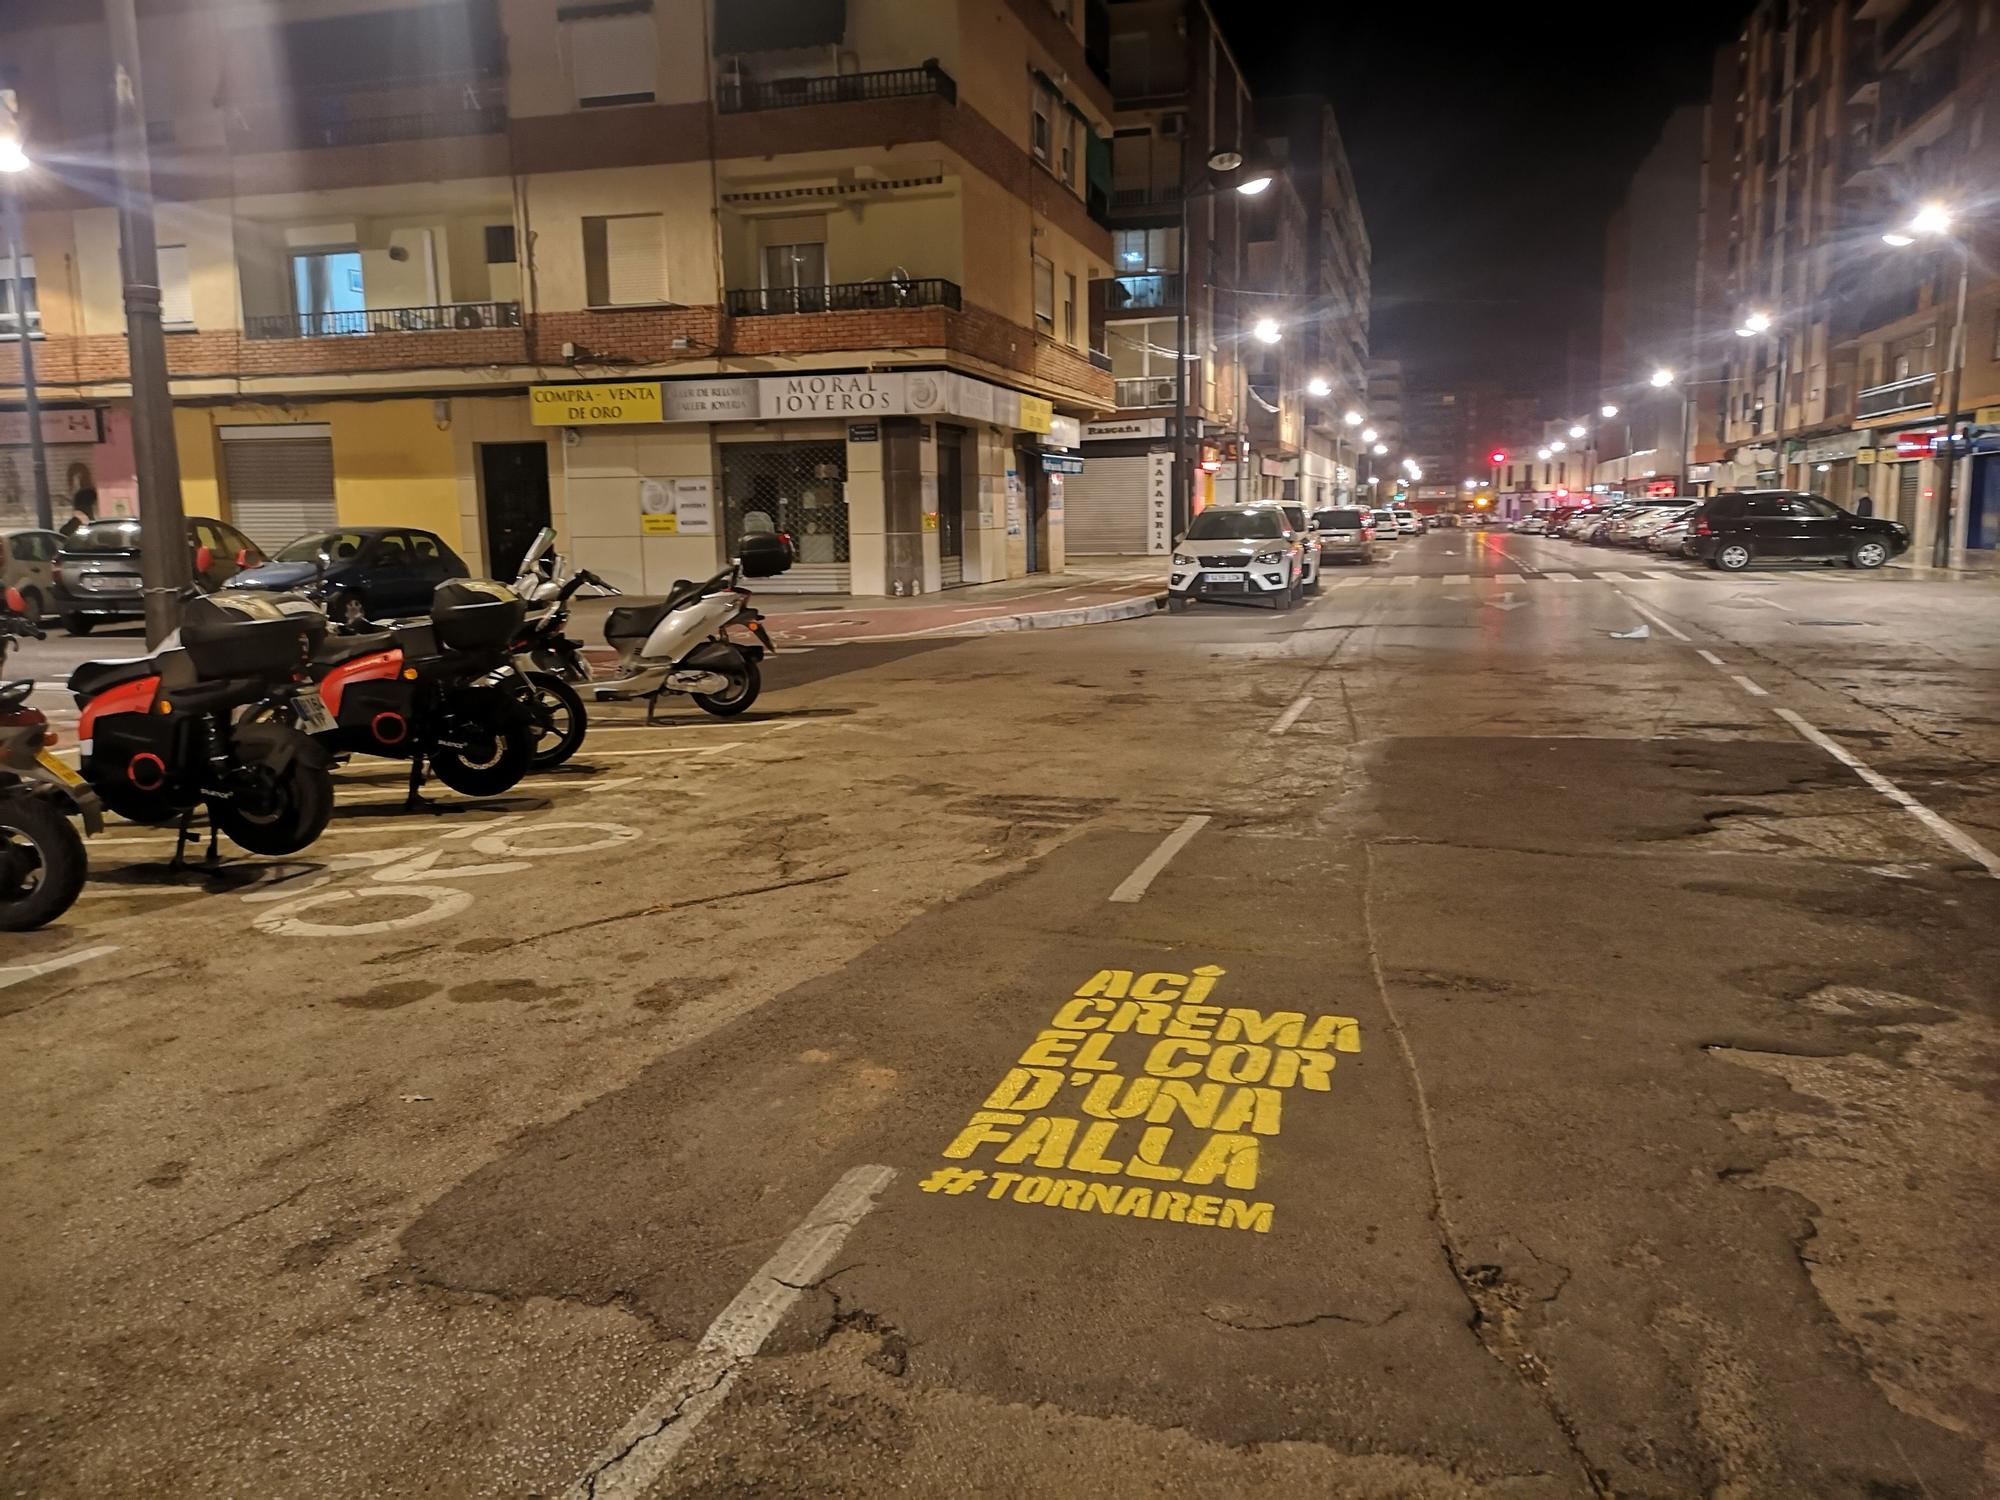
x: 205, y: 722
x: 682, y: 644
x: 546, y: 659
x: 429, y: 692
x: 42, y: 860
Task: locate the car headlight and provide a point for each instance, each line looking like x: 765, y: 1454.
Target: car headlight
x: 1269, y: 557
x: 1183, y: 562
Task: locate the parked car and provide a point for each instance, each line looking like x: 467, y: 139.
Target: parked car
x: 1238, y: 552
x: 1408, y: 523
x: 1345, y: 536
x: 1530, y: 524
x: 28, y: 563
x: 1630, y: 529
x: 1301, y: 524
x: 1731, y: 531
x: 361, y: 572
x: 97, y: 568
x: 1671, y: 538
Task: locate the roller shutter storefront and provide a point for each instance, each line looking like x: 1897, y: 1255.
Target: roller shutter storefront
x: 279, y: 482
x: 1104, y: 507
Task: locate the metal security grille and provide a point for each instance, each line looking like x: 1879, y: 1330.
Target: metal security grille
x: 70, y: 467
x: 279, y: 489
x: 1909, y: 484
x: 1104, y: 507
x: 799, y: 488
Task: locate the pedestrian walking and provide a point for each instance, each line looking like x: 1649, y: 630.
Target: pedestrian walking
x: 83, y: 509
x: 1863, y: 506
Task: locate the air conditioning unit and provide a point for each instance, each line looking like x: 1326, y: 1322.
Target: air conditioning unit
x: 1160, y: 393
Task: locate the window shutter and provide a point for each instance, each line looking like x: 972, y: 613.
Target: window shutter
x: 635, y: 258
x: 176, y: 298
x: 613, y: 59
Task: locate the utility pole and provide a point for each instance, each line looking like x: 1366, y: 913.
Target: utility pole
x: 17, y: 242
x: 1947, y: 522
x: 163, y: 549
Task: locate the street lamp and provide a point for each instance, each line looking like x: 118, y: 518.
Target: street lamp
x: 1557, y: 446
x: 1933, y: 221
x: 1368, y: 434
x: 1354, y: 419
x: 1607, y: 411
x: 1662, y: 379
x: 13, y: 162
x: 1577, y: 430
x: 1379, y: 449
x: 1267, y: 331
x: 1543, y: 454
x: 1319, y: 386
x: 1756, y: 323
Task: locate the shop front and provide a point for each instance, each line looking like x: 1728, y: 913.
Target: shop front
x: 1110, y: 507
x: 888, y: 484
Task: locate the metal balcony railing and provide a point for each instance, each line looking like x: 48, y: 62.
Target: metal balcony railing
x: 467, y: 105
x: 1147, y: 196
x: 450, y: 317
x: 735, y: 96
x: 1897, y: 395
x: 1123, y: 294
x: 1145, y: 390
x: 842, y: 296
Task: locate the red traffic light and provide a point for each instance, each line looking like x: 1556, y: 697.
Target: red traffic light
x: 1497, y: 457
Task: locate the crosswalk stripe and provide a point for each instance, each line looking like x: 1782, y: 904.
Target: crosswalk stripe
x: 1407, y: 579
x: 1457, y: 578
x: 1560, y: 577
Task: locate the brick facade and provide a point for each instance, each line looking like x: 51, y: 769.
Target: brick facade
x: 645, y: 338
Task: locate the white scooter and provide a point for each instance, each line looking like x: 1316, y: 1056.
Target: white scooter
x: 682, y: 644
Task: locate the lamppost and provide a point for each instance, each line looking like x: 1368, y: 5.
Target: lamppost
x: 1352, y: 419
x: 13, y: 163
x: 1254, y: 183
x: 1759, y: 325
x: 1933, y: 222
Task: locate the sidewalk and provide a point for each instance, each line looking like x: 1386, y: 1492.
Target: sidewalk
x: 1091, y: 590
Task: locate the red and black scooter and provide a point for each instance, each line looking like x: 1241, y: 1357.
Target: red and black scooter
x: 42, y: 860
x: 204, y: 724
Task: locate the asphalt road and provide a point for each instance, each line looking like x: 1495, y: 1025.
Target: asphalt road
x: 1498, y: 1030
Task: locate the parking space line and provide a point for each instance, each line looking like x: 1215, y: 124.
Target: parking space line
x: 634, y: 1460
x: 22, y: 973
x: 1291, y: 715
x: 1748, y: 686
x: 1963, y: 842
x: 1133, y: 886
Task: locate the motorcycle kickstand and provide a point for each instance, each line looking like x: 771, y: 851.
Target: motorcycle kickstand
x: 182, y: 838
x: 652, y: 705
x: 416, y: 801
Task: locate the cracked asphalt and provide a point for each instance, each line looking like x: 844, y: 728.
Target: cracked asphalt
x: 1535, y: 1068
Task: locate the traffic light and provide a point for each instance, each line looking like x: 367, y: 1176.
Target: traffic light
x: 1497, y: 457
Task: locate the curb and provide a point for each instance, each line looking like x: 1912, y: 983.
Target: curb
x: 1048, y: 619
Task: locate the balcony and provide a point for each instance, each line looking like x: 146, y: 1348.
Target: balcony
x: 1157, y: 292
x: 843, y: 296
x: 434, y: 108
x: 1146, y: 390
x: 452, y: 317
x: 736, y: 95
x: 1898, y: 395
x: 1150, y: 195
x: 1099, y: 360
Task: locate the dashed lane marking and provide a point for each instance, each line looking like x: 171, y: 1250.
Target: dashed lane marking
x: 1953, y: 835
x: 634, y: 1460
x: 1748, y: 686
x: 1133, y: 886
x: 1291, y: 715
x: 1709, y: 656
x: 1646, y: 614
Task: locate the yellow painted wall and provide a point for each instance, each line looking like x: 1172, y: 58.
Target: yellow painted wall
x: 194, y: 439
x: 538, y: 70
x: 886, y: 34
x: 50, y: 242
x: 557, y: 203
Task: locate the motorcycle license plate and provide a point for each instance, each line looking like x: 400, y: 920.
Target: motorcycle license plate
x: 312, y: 712
x: 57, y: 769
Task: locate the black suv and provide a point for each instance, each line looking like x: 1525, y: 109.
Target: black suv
x: 1733, y: 530
x: 97, y: 570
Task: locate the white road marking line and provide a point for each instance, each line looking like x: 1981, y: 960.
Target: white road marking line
x: 1769, y: 603
x: 1560, y: 578
x: 1647, y: 614
x: 1352, y: 583
x: 1451, y: 578
x: 1407, y: 580
x: 1748, y: 686
x: 1963, y: 842
x: 780, y: 726
x: 634, y: 1460
x: 1134, y: 885
x: 22, y: 973
x: 665, y: 750
x: 1709, y: 656
x: 607, y: 785
x: 1291, y: 715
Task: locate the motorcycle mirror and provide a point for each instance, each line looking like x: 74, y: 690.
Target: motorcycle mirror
x: 204, y: 559
x: 243, y: 558
x: 15, y: 602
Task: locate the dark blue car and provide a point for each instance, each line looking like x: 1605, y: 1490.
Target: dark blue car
x: 360, y: 572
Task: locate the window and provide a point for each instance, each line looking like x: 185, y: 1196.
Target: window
x: 327, y: 291
x: 613, y: 59
x: 624, y: 260
x: 499, y: 244
x: 1041, y: 117
x: 1045, y: 295
x: 176, y: 300
x: 1069, y: 309
x: 10, y: 321
x: 1068, y: 131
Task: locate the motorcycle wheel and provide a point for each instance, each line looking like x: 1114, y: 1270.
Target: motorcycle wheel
x: 742, y: 692
x: 560, y: 720
x: 277, y: 814
x: 489, y: 757
x: 42, y: 863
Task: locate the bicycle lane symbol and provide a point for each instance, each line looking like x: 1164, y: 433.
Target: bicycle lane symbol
x: 407, y: 873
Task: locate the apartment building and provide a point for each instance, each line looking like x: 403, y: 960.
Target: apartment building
x: 1303, y: 139
x: 1278, y: 303
x: 656, y: 272
x: 1434, y: 433
x: 1849, y: 115
x: 1178, y: 98
x: 1385, y: 419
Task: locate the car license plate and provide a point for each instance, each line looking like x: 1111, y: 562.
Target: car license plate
x: 312, y: 712
x: 1225, y: 577
x: 57, y: 769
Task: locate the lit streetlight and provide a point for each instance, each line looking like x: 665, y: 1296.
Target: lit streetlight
x: 1577, y: 430
x: 1369, y: 434
x: 1319, y: 386
x: 1607, y: 411
x: 1756, y: 323
x: 1379, y: 449
x: 1543, y: 454
x: 1267, y: 331
x: 1354, y: 419
x: 1557, y: 446
x: 1662, y: 379
x: 1933, y: 221
x: 13, y: 162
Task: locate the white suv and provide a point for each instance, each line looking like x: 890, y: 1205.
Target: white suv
x: 1238, y: 552
x: 1309, y: 534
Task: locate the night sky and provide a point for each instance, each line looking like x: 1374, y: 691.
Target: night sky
x: 1490, y: 145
